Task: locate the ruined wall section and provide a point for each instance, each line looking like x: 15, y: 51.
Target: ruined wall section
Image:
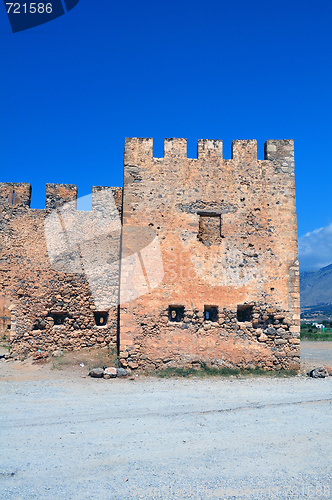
x: 228, y: 239
x: 51, y: 302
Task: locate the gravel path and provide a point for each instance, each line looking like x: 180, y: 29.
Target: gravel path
x: 69, y: 437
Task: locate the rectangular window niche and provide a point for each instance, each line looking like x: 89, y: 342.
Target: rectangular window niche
x: 176, y: 313
x: 209, y: 230
x: 211, y: 313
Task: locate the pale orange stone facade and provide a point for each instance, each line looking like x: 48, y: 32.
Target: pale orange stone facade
x: 228, y: 239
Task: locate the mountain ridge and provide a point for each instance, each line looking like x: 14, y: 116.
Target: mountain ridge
x: 316, y: 287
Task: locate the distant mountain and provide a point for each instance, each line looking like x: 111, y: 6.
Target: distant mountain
x: 316, y: 287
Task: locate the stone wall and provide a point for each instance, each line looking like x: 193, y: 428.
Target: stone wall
x: 228, y: 240
x: 49, y: 295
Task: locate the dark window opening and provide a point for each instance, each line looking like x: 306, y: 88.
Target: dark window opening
x: 244, y: 313
x: 211, y: 313
x: 58, y: 318
x: 209, y: 231
x: 8, y: 327
x: 176, y: 313
x: 101, y: 318
x: 39, y: 325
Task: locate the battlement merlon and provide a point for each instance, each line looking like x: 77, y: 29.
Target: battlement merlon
x: 107, y: 197
x: 244, y: 151
x: 279, y: 152
x: 15, y: 194
x: 59, y: 194
x: 209, y: 148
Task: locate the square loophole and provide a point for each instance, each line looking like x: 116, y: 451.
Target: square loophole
x: 211, y: 313
x: 244, y: 313
x: 39, y: 324
x: 101, y: 318
x: 176, y: 313
x: 58, y: 318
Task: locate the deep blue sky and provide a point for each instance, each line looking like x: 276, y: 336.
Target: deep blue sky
x: 73, y: 89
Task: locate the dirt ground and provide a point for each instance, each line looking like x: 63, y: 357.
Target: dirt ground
x: 65, y: 435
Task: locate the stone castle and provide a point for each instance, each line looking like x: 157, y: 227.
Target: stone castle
x: 193, y: 261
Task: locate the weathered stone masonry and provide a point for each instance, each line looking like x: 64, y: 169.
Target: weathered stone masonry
x: 50, y: 305
x: 226, y: 230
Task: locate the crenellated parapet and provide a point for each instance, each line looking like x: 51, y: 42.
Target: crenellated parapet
x: 277, y: 167
x: 138, y: 149
x: 106, y: 197
x: 208, y: 148
x: 18, y: 195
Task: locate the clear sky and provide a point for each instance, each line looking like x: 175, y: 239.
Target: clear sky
x: 74, y: 88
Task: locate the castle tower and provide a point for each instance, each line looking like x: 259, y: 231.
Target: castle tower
x: 224, y: 289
